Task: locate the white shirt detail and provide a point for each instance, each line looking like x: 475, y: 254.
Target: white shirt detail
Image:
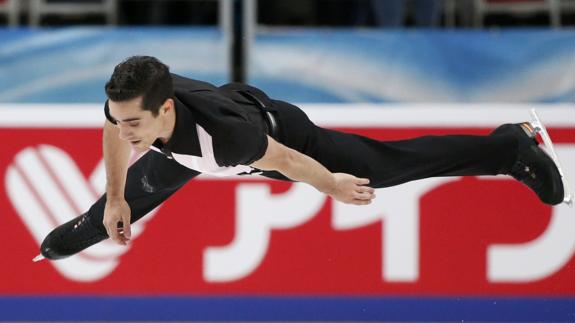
x: 207, y: 162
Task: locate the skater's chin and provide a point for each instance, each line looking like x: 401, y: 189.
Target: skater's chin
x: 138, y: 146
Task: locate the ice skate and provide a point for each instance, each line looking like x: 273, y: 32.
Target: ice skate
x: 534, y: 167
x: 539, y: 128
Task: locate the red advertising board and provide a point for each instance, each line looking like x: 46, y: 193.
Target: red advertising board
x: 472, y: 236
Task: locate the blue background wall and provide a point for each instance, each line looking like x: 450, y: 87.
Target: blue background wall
x: 72, y: 65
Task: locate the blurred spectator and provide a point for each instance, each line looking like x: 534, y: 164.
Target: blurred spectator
x: 293, y: 12
x: 391, y: 13
x: 171, y: 12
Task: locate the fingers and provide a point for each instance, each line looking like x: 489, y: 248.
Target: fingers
x: 121, y: 234
x: 126, y: 227
x: 111, y: 229
x: 361, y: 181
x: 117, y: 232
x: 363, y: 196
x: 353, y: 190
x: 364, y: 189
x: 117, y: 221
x: 360, y: 202
x: 364, y: 193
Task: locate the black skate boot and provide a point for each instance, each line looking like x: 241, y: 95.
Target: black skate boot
x: 534, y: 167
x: 70, y: 238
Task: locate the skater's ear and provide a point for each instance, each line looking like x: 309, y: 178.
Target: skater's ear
x: 167, y: 106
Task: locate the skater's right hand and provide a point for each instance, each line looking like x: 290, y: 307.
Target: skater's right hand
x: 117, y: 211
x: 352, y: 190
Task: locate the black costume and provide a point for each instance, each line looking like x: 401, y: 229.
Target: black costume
x: 222, y: 130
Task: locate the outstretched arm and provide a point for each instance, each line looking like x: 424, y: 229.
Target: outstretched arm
x: 299, y: 167
x: 116, y: 157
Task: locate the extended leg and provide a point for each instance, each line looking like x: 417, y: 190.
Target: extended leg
x: 150, y: 181
x: 510, y: 150
x: 389, y: 163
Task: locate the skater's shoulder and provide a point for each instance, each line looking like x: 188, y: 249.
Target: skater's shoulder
x: 185, y: 84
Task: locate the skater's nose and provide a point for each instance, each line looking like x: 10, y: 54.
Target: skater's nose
x: 125, y: 132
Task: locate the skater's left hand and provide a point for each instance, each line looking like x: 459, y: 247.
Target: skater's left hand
x: 352, y: 190
x: 116, y: 212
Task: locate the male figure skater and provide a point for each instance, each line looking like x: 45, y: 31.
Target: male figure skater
x: 192, y: 127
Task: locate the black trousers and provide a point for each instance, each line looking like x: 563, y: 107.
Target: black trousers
x: 389, y: 163
x: 154, y: 178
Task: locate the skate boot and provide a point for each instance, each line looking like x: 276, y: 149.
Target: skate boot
x: 69, y: 239
x: 541, y: 172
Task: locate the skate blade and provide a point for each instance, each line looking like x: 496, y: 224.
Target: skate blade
x: 38, y: 258
x: 541, y: 130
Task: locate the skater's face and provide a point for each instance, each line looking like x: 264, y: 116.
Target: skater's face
x: 140, y: 127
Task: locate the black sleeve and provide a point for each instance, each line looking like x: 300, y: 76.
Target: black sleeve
x: 238, y: 143
x: 107, y: 113
x: 236, y: 140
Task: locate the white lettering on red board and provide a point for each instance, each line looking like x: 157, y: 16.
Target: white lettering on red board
x: 258, y: 213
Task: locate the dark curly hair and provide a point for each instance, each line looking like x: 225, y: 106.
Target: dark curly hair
x: 141, y: 76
